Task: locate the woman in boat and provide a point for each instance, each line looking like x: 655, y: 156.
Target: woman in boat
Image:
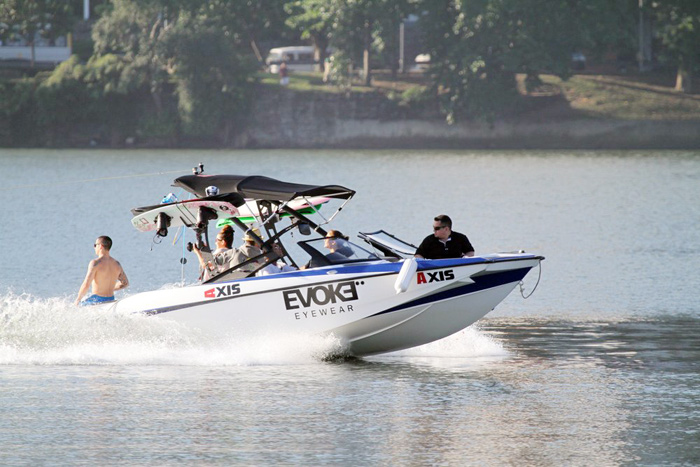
x: 220, y: 257
x: 337, y: 244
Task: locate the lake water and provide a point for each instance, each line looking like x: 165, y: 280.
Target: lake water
x: 600, y: 366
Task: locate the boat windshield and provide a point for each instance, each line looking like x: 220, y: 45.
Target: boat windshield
x: 329, y: 251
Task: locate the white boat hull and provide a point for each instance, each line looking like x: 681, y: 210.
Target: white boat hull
x: 358, y: 303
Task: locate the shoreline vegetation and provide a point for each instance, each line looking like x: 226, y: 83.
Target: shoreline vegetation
x: 495, y: 74
x: 587, y: 111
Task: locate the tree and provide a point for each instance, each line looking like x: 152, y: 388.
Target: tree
x: 255, y: 19
x: 29, y: 19
x: 200, y: 47
x: 314, y: 20
x: 133, y: 31
x: 356, y: 29
x: 678, y: 26
x: 389, y: 24
x: 478, y: 46
x: 211, y: 74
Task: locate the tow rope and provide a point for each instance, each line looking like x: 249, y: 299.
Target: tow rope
x: 539, y: 276
x: 119, y: 177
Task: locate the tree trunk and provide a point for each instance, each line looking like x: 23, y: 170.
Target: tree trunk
x: 254, y: 46
x: 394, y: 58
x: 366, y: 54
x: 115, y: 137
x: 321, y: 45
x: 683, y: 80
x: 33, y: 54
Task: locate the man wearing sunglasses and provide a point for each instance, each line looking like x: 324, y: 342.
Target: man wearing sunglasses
x: 444, y: 243
x: 105, y: 274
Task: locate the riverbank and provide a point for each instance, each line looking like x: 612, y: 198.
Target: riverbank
x: 588, y: 111
x: 584, y: 112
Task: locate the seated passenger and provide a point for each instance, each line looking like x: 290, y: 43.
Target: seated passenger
x: 336, y: 243
x: 248, y: 250
x: 339, y: 250
x: 275, y: 265
x: 214, y: 263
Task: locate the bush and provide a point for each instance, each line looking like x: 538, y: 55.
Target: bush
x: 18, y: 107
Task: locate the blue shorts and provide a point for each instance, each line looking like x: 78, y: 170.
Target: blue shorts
x: 96, y: 299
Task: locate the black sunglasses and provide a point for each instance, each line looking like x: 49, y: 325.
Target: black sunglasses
x: 439, y: 228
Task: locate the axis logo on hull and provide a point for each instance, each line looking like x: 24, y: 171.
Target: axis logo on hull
x: 223, y: 291
x: 437, y: 276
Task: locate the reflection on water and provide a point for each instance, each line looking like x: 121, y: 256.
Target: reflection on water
x: 659, y: 344
x: 512, y: 391
x: 638, y: 378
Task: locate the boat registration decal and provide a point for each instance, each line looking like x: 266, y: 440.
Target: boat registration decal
x: 223, y: 291
x: 437, y: 276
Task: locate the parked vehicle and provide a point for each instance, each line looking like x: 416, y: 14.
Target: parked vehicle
x: 297, y: 58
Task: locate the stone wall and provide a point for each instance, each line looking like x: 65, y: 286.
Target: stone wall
x: 285, y: 119
x: 281, y: 118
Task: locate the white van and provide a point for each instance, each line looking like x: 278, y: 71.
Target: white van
x: 298, y: 58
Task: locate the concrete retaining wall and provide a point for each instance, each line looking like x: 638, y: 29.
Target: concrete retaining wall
x: 298, y: 120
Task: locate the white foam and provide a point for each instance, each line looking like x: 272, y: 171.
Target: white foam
x: 54, y: 332
x: 470, y: 347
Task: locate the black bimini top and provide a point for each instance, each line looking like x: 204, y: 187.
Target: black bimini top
x: 259, y: 187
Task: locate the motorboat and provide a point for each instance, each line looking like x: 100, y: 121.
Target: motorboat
x: 373, y: 295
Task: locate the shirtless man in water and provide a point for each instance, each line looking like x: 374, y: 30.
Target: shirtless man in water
x: 104, y: 273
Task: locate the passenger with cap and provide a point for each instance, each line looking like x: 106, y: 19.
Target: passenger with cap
x: 249, y: 249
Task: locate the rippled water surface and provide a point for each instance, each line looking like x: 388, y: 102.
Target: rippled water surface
x: 598, y: 367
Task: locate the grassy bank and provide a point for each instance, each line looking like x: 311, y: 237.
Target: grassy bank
x: 616, y: 97
x: 641, y: 111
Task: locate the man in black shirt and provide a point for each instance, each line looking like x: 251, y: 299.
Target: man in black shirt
x: 444, y: 243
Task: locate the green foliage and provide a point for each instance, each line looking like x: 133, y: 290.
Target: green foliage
x: 23, y: 19
x: 63, y: 97
x: 678, y: 27
x: 19, y: 108
x: 314, y: 20
x: 210, y: 87
x: 191, y: 62
x: 134, y: 30
x: 16, y: 97
x: 197, y: 47
x: 477, y: 47
x: 415, y: 98
x: 112, y: 100
x: 164, y: 124
x: 342, y: 69
x: 358, y: 30
x: 83, y: 49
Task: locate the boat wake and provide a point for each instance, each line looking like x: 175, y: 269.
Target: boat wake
x: 53, y: 331
x: 37, y: 331
x: 469, y: 349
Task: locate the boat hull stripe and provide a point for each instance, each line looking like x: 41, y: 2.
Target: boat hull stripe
x: 480, y: 283
x: 484, y: 282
